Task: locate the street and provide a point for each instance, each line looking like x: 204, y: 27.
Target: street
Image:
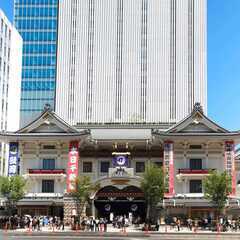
x: 119, y: 236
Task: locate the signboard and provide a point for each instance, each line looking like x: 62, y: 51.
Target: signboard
x: 72, y: 170
x: 120, y: 159
x: 230, y: 164
x: 168, y: 166
x: 13, y: 159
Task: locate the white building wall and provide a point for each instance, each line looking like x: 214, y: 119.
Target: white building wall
x: 10, y: 82
x: 128, y: 61
x: 212, y: 158
x: 33, y: 155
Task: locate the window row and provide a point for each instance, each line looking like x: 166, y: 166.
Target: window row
x: 36, y: 24
x: 38, y: 85
x: 37, y: 94
x: 36, y: 11
x: 87, y: 167
x: 39, y: 48
x: 39, y: 36
x: 35, y: 103
x: 36, y: 2
x: 195, y: 186
x: 39, y: 61
x: 38, y: 73
x: 105, y: 165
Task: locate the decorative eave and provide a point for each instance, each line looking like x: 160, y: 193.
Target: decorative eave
x: 231, y: 136
x: 49, y: 127
x: 48, y: 117
x: 9, y: 136
x: 196, y: 117
x: 234, y: 134
x: 195, y: 126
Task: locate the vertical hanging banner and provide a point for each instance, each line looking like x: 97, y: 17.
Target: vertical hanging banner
x: 72, y: 170
x: 13, y: 161
x: 230, y: 164
x: 168, y: 166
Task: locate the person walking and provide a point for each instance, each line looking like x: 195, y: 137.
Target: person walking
x: 178, y: 224
x: 105, y: 224
x: 97, y: 225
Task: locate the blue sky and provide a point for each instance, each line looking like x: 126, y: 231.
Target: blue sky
x: 223, y: 60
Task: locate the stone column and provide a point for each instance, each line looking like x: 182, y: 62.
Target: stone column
x: 168, y: 166
x: 93, y: 208
x: 69, y: 209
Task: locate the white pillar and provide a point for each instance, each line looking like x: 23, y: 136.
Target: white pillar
x: 58, y: 163
x: 206, y: 155
x: 185, y: 154
x: 93, y: 209
x: 21, y: 156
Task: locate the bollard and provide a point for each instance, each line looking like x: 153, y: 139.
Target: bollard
x: 165, y: 228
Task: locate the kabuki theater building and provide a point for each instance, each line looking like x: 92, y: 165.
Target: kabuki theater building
x: 50, y: 153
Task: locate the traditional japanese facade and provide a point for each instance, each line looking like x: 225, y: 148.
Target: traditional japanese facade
x: 52, y: 153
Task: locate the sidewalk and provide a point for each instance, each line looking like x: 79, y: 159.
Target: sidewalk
x: 130, y: 229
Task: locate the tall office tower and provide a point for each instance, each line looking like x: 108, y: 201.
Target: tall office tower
x: 10, y: 82
x: 130, y: 60
x: 36, y: 20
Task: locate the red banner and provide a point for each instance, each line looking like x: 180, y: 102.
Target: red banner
x: 168, y: 166
x: 72, y: 170
x: 230, y: 164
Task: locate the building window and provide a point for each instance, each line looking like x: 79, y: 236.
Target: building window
x: 195, y: 146
x: 48, y: 186
x: 104, y: 167
x: 140, y: 167
x: 87, y: 167
x: 48, y: 164
x: 49, y: 147
x: 195, y: 186
x: 195, y: 164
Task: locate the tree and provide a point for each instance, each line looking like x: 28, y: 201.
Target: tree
x: 217, y: 187
x: 152, y: 186
x: 83, y: 189
x: 13, y: 189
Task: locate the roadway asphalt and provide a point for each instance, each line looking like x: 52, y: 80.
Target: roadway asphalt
x: 119, y: 236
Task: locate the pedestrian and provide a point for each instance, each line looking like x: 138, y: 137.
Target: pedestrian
x: 178, y: 224
x: 97, y: 225
x: 105, y: 224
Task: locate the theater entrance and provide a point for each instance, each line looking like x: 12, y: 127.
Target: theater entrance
x: 128, y: 201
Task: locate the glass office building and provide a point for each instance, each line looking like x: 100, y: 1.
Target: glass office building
x: 36, y: 21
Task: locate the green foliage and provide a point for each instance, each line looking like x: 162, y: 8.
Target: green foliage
x: 13, y: 189
x: 84, y: 188
x: 217, y: 187
x: 152, y: 186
